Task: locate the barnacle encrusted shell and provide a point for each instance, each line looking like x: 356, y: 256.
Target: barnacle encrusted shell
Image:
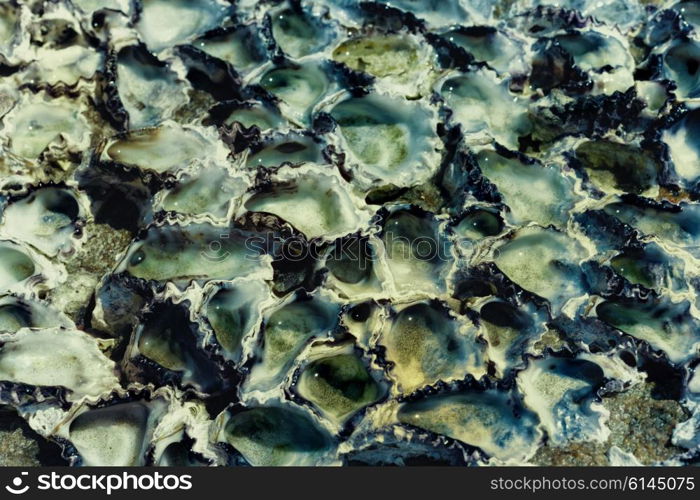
x: 300, y: 232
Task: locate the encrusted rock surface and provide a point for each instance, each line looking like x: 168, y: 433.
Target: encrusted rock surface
x: 289, y: 232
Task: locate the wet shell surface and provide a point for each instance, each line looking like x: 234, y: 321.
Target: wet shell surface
x: 295, y: 233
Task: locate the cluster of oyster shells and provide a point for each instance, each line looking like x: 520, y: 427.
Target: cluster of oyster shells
x: 344, y: 232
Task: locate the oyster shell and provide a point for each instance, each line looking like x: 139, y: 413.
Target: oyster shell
x: 49, y: 219
x: 499, y: 49
x: 682, y: 144
x: 485, y: 108
x: 390, y: 140
x: 206, y: 190
x: 300, y: 30
x: 562, y: 393
x: 532, y: 192
x: 22, y: 269
x: 667, y: 327
x: 275, y: 435
x: 176, y: 252
x: 162, y: 149
x: 299, y: 90
x: 116, y: 431
x: 294, y: 198
x: 510, y: 332
x: 289, y: 149
x: 240, y: 46
x: 425, y: 344
x: 148, y: 90
x: 398, y: 61
x: 339, y: 384
x: 679, y: 61
x: 234, y: 313
x: 633, y: 170
x: 417, y: 255
x: 287, y: 329
x: 38, y: 122
x: 121, y: 425
x: 534, y: 260
x: 57, y: 358
x: 17, y: 313
x: 484, y: 420
x: 184, y: 19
